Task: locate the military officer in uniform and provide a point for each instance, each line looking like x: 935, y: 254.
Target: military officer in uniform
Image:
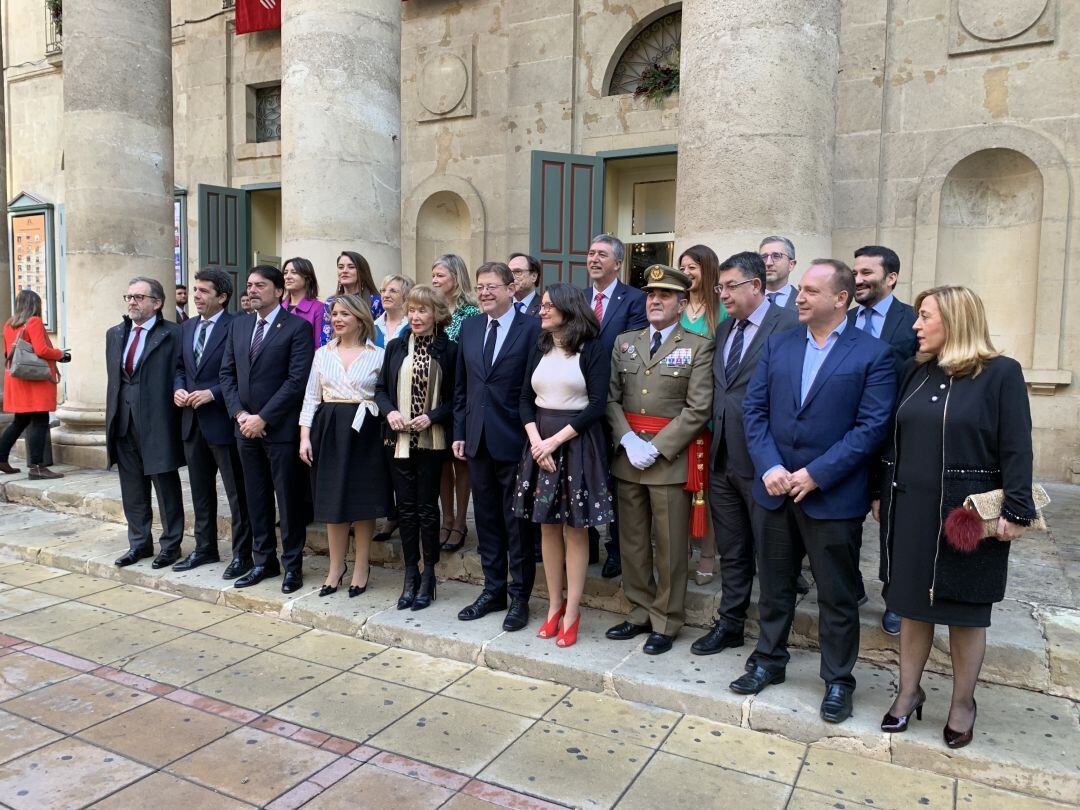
x: 659, y: 401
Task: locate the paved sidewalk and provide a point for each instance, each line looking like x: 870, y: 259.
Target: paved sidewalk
x: 120, y: 696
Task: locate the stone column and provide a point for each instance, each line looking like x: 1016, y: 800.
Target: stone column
x: 118, y: 189
x: 340, y: 133
x: 757, y: 122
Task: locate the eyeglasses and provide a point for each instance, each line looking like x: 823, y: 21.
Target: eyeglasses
x: 484, y: 288
x: 774, y: 256
x: 547, y: 307
x: 731, y: 287
x: 138, y: 299
x: 521, y: 272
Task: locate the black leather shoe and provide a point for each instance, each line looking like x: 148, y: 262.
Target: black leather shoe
x: 236, y: 568
x: 485, y: 603
x: 627, y: 631
x: 292, y: 582
x: 717, y: 639
x: 802, y: 587
x: 890, y: 623
x: 409, y: 589
x: 612, y: 567
x: 133, y: 556
x: 426, y: 595
x: 390, y: 528
x: 836, y: 705
x: 517, y: 616
x: 256, y: 575
x: 194, y: 560
x: 753, y: 682
x: 657, y: 644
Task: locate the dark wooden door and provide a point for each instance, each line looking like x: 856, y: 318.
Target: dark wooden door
x: 225, y: 235
x: 566, y: 211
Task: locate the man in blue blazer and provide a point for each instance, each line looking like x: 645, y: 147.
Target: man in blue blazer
x: 493, y: 349
x: 264, y: 372
x: 815, y: 413
x: 207, y: 430
x: 619, y: 308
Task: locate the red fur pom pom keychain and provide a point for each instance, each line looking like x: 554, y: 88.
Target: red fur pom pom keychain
x: 964, y: 529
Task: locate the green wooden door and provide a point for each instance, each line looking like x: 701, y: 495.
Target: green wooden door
x: 225, y: 235
x: 566, y: 211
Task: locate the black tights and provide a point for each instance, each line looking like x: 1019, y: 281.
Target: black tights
x: 36, y: 426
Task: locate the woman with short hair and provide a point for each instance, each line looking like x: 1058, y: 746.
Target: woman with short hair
x: 393, y: 321
x: 302, y: 294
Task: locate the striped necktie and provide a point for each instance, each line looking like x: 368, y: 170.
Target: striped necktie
x: 734, y: 358
x: 200, y: 342
x: 257, y: 340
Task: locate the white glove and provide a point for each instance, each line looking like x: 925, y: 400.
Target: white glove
x: 639, y: 452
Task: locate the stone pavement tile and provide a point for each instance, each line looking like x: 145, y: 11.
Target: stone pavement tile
x: 164, y: 792
x: 191, y: 614
x: 613, y: 717
x: 159, y: 732
x: 568, y: 766
x: 263, y: 681
x: 737, y: 749
x: 452, y: 734
x: 266, y: 597
x: 24, y: 528
x: 330, y: 649
x: 372, y: 786
x: 352, y: 706
x: 258, y: 631
x: 252, y: 765
x: 128, y: 599
x: 414, y: 669
x: 1061, y: 627
x: 23, y: 574
x: 67, y: 773
x: 865, y: 782
x: 105, y: 543
x: 117, y: 640
x: 73, y: 586
x: 463, y: 801
x: 671, y: 781
x: 502, y: 797
x: 204, y: 582
x: 55, y: 621
x: 17, y: 600
x: 802, y: 799
x: 188, y: 658
x: 420, y: 770
x: 509, y: 693
x: 1024, y: 741
x: 75, y: 704
x: 21, y: 672
x: 19, y: 736
x: 973, y: 796
x: 338, y: 613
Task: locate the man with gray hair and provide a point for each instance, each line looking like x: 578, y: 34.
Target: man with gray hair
x: 778, y: 253
x: 142, y: 423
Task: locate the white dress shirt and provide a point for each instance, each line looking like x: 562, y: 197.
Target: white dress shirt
x: 607, y: 292
x: 755, y: 319
x: 209, y: 329
x: 146, y: 327
x: 505, y: 320
x: 269, y: 322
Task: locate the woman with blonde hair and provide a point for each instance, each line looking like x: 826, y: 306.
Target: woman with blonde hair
x: 393, y: 321
x: 962, y: 427
x: 340, y: 439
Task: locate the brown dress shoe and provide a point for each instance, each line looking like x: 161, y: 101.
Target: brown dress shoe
x: 39, y: 472
x: 7, y: 469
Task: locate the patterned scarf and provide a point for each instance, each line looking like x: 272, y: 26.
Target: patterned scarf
x: 434, y: 438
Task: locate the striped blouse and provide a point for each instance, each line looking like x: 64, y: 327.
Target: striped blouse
x: 329, y: 381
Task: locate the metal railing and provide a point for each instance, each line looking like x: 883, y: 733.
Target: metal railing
x: 54, y: 32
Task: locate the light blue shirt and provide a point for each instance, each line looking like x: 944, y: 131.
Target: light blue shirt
x: 877, y: 320
x: 749, y: 331
x: 504, y: 320
x: 815, y: 356
x: 780, y: 297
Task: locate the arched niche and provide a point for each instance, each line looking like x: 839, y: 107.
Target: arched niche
x: 656, y: 37
x: 443, y: 214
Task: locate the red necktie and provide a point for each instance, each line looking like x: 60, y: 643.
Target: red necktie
x: 129, y: 361
x: 598, y: 307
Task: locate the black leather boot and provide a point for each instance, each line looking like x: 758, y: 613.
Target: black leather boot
x: 427, y: 589
x: 408, y: 592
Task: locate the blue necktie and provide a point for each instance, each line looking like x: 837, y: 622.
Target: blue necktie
x: 257, y: 339
x: 731, y: 367
x: 868, y: 321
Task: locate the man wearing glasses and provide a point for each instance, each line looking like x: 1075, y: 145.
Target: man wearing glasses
x: 143, y: 424
x: 778, y: 253
x: 526, y: 270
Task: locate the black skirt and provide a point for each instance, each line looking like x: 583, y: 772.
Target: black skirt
x: 349, y: 477
x: 577, y: 493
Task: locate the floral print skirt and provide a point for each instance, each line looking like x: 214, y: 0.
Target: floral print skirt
x: 577, y: 493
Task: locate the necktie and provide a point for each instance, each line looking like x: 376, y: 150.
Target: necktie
x: 868, y: 320
x: 731, y: 367
x: 257, y: 340
x: 655, y: 344
x: 129, y: 361
x: 519, y: 306
x: 489, y: 345
x: 771, y: 296
x: 598, y: 307
x: 200, y: 341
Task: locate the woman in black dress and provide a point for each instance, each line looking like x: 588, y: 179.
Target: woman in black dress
x: 415, y: 395
x: 562, y: 478
x: 963, y: 426
x: 341, y: 441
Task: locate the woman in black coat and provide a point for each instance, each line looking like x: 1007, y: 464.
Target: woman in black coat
x: 415, y: 395
x: 962, y: 426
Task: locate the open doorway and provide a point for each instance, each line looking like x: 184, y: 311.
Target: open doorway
x: 266, y: 226
x: 639, y: 208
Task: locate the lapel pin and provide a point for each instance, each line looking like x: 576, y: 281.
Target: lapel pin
x: 624, y: 347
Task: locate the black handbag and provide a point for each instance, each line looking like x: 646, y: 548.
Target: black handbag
x: 24, y: 364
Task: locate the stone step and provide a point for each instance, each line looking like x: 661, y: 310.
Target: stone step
x: 1033, y: 644
x: 1026, y: 741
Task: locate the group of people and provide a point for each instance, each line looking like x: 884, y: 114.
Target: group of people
x: 719, y: 401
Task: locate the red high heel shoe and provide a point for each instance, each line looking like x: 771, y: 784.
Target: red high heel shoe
x: 549, y: 628
x: 568, y: 635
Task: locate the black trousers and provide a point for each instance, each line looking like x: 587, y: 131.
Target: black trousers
x: 36, y: 426
x: 271, y: 467
x: 205, y: 462
x: 416, y: 488
x: 135, y: 497
x: 505, y: 542
x: 786, y: 535
x: 736, y: 528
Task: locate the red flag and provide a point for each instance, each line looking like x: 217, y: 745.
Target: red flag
x: 257, y: 15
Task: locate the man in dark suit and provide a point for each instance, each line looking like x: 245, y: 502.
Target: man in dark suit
x: 143, y: 424
x: 619, y: 308
x: 816, y: 412
x: 207, y: 430
x: 181, y: 303
x: 527, y: 271
x: 778, y: 253
x: 493, y: 350
x: 264, y: 371
x: 739, y: 341
x: 881, y: 314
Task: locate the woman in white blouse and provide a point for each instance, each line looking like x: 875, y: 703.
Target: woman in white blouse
x: 340, y: 439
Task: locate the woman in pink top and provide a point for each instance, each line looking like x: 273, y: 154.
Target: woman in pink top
x: 302, y: 295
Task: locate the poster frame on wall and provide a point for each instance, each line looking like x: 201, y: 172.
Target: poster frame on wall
x: 180, y: 236
x: 28, y: 208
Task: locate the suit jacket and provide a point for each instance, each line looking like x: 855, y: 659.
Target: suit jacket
x: 625, y: 313
x: 835, y: 433
x: 729, y: 452
x: 643, y: 385
x: 443, y: 352
x: 213, y: 417
x: 896, y: 331
x: 790, y: 303
x: 486, y: 403
x: 144, y: 396
x: 273, y: 386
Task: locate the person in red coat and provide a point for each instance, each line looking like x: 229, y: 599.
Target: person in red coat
x: 29, y: 400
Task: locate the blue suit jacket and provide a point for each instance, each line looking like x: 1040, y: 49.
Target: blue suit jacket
x: 213, y: 417
x: 896, y: 331
x: 625, y: 313
x: 835, y: 433
x: 486, y: 403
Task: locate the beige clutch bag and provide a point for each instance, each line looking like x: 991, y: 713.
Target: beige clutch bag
x: 987, y: 505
